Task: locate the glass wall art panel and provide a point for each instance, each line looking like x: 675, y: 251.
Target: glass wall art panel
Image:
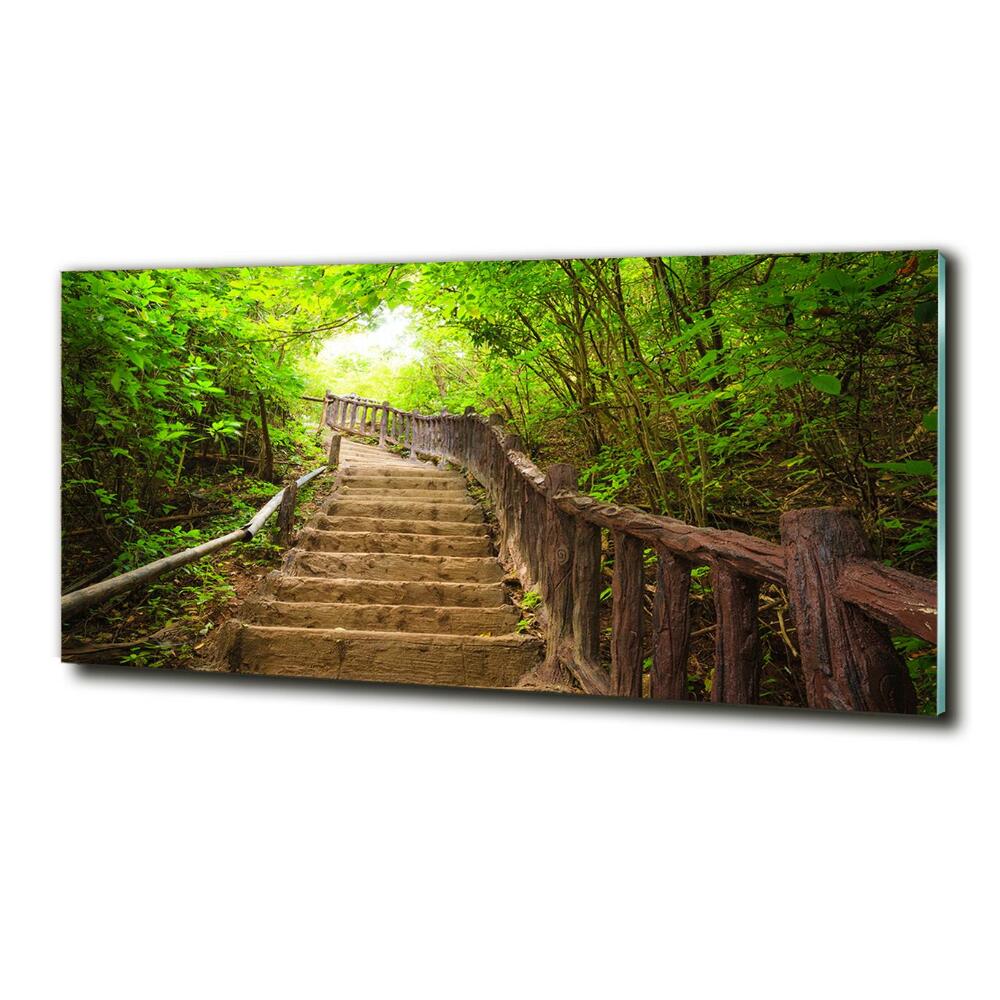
x: 670, y: 479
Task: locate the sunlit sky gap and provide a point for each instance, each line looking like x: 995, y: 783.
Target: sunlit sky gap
x: 391, y: 339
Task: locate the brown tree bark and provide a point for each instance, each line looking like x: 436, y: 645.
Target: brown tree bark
x: 626, y: 618
x: 267, y: 455
x: 671, y: 627
x: 848, y: 658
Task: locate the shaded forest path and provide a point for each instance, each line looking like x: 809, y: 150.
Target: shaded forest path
x: 394, y: 580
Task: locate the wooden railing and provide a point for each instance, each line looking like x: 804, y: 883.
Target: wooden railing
x: 841, y: 599
x: 77, y: 601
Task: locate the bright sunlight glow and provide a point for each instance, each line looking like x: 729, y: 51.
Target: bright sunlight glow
x: 391, y: 340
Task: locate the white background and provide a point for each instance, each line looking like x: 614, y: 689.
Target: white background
x: 215, y: 837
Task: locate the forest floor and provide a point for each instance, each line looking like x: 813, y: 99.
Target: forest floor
x: 163, y: 625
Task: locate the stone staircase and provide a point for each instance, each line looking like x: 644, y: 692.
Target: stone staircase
x: 394, y: 580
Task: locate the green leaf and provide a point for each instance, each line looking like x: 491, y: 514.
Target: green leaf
x: 826, y: 383
x: 925, y: 312
x: 116, y: 379
x: 930, y: 421
x: 837, y: 281
x: 914, y: 468
x: 884, y: 276
x: 785, y: 378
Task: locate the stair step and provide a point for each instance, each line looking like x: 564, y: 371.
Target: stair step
x: 349, y: 590
x: 393, y: 581
x: 408, y: 482
x: 418, y: 510
x: 384, y: 617
x: 464, y: 529
x: 393, y: 495
x: 387, y: 657
x: 402, y: 470
x: 316, y: 540
x: 392, y: 566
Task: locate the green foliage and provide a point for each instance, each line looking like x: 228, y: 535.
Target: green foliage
x: 161, y: 367
x: 921, y: 660
x: 700, y: 387
x: 530, y: 600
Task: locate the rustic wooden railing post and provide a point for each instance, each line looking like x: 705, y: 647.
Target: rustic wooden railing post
x: 848, y: 659
x: 441, y: 425
x: 383, y: 427
x: 671, y: 627
x: 333, y: 459
x: 323, y: 415
x: 509, y: 511
x: 469, y: 425
x: 354, y: 415
x: 571, y: 563
x: 557, y: 531
x: 587, y: 590
x: 286, y: 513
x: 737, y: 639
x: 626, y: 617
x: 494, y: 447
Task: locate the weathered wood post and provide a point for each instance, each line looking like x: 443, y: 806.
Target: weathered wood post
x: 671, y: 627
x: 579, y: 649
x: 557, y: 531
x: 354, y: 415
x: 847, y: 657
x: 626, y: 617
x: 439, y: 437
x: 323, y: 415
x: 286, y: 513
x: 737, y: 639
x: 333, y: 459
x: 383, y: 427
x: 587, y: 593
x: 470, y: 459
x: 509, y: 511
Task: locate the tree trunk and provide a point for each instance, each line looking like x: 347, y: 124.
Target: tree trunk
x: 267, y: 455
